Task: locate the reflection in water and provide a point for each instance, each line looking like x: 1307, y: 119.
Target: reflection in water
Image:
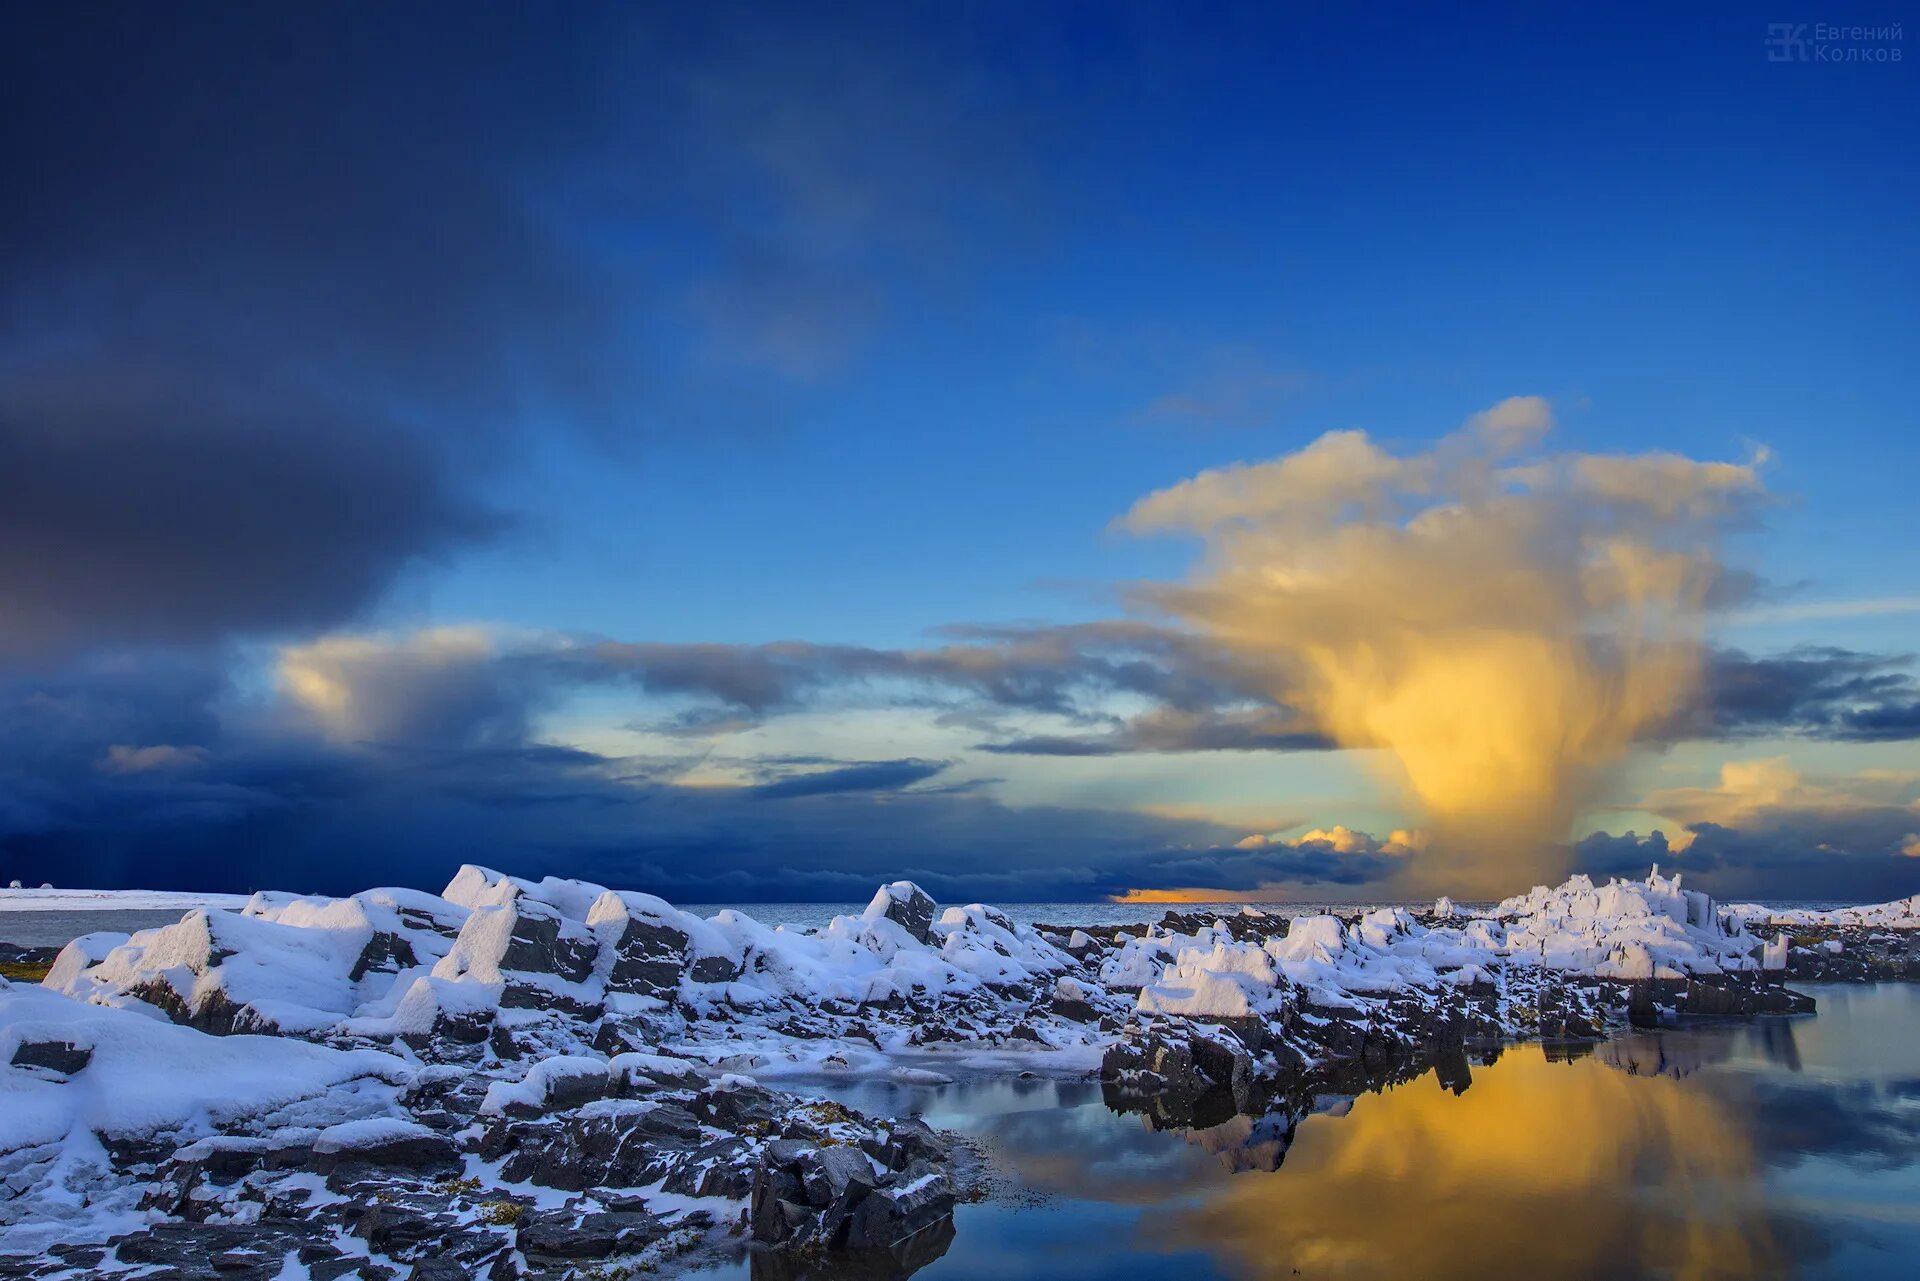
x: 1550, y: 1168
x: 1733, y: 1149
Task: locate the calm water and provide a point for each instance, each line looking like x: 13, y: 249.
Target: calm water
x: 1786, y: 1147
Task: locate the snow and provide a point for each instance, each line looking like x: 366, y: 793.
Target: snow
x: 1901, y: 914
x: 1627, y: 930
x: 369, y: 1132
x: 537, y: 1086
x: 147, y: 1075
x: 392, y: 966
x: 48, y: 899
x: 1190, y: 989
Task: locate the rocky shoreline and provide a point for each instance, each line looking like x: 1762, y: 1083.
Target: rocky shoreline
x: 552, y: 1079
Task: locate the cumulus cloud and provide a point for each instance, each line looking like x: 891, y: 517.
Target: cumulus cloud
x: 1340, y: 839
x: 1506, y: 625
x: 1770, y: 787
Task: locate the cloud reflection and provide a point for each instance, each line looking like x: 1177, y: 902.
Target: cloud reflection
x: 1542, y: 1168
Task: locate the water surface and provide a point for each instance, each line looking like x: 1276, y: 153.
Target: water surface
x: 1780, y: 1147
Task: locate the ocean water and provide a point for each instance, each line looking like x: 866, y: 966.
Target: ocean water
x: 1783, y: 1147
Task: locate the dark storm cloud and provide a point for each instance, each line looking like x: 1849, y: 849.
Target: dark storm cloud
x: 1838, y: 856
x: 312, y: 815
x: 1036, y: 669
x: 1816, y: 691
x: 157, y: 772
x: 265, y: 311
x: 160, y: 774
x: 283, y: 288
x: 1190, y: 695
x: 855, y: 776
x: 1201, y: 697
x: 1257, y: 730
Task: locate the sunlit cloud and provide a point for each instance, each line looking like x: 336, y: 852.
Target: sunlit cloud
x: 1505, y: 624
x: 1565, y: 1169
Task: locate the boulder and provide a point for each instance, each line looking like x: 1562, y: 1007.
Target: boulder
x: 52, y: 1054
x: 919, y: 1197
x: 906, y: 905
x: 382, y: 1143
x: 559, y: 1236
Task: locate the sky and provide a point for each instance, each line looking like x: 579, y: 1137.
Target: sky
x: 1045, y: 451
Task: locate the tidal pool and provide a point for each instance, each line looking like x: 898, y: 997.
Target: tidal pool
x: 1778, y: 1147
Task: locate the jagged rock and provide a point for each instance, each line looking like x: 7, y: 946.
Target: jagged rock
x: 614, y: 1144
x: 721, y: 1168
x: 906, y: 905
x: 387, y: 952
x: 398, y: 1232
x: 541, y: 942
x: 648, y: 957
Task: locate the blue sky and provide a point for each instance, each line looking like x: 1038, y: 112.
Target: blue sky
x: 660, y: 328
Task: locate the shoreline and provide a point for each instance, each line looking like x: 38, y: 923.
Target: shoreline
x: 520, y: 1071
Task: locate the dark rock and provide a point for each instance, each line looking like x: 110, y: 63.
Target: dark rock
x: 827, y: 1173
x: 560, y: 1235
x: 398, y: 1232
x: 386, y: 952
x: 911, y: 908
x: 886, y: 1216
x: 722, y: 1168
x: 439, y: 1270
x: 410, y: 1152
x: 648, y: 958
x: 57, y: 1056
x: 713, y: 969
x: 624, y: 1147
x: 543, y: 942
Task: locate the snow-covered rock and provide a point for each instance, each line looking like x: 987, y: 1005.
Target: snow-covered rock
x: 1900, y: 914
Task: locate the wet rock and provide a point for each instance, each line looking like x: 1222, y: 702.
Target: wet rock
x: 909, y: 1139
x: 830, y: 1195
x: 886, y: 1216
